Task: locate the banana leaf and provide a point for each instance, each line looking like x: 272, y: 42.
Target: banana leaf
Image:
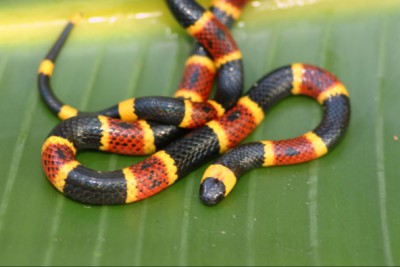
x: 342, y: 209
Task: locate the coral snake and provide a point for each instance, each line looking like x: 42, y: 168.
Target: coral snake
x: 112, y: 129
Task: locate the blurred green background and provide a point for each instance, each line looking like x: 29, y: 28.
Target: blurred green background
x: 342, y: 209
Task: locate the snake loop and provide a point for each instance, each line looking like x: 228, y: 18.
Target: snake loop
x: 297, y: 79
x: 196, y: 83
x: 164, y: 116
x: 219, y: 135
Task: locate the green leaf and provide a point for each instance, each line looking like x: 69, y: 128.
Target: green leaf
x: 342, y: 209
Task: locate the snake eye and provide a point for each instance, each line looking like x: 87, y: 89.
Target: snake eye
x: 212, y: 191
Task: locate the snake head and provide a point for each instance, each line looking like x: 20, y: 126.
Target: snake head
x: 212, y: 191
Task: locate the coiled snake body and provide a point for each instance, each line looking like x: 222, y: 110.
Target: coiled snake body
x: 219, y: 134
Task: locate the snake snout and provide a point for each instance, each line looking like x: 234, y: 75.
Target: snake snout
x: 212, y: 191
